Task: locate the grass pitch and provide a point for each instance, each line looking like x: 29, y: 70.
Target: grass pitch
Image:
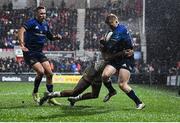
x: 16, y: 105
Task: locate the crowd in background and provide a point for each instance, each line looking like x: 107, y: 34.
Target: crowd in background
x: 95, y: 27
x: 62, y: 21
x: 77, y: 66
x: 60, y: 65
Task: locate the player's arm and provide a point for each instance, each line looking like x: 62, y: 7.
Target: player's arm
x: 53, y: 37
x: 124, y: 53
x: 21, y: 32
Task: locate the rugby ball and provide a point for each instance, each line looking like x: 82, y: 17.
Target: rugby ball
x: 108, y: 36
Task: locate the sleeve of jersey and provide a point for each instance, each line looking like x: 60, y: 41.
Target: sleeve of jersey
x: 49, y: 34
x: 113, y: 40
x: 28, y: 25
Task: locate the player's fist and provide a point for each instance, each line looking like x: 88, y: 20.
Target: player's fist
x: 23, y: 48
x: 128, y: 52
x: 58, y: 37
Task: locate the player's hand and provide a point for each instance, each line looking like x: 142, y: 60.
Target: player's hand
x: 58, y: 37
x: 102, y: 40
x: 23, y: 48
x: 128, y: 52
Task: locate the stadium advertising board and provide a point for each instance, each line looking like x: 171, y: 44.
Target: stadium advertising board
x: 173, y: 80
x: 31, y: 77
x: 66, y: 78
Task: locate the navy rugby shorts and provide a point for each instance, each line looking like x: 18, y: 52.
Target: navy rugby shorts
x: 33, y: 57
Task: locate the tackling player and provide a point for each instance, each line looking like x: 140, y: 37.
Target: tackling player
x: 119, y: 41
x: 91, y: 77
x: 32, y: 36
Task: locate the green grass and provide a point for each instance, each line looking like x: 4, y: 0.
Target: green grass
x: 161, y: 105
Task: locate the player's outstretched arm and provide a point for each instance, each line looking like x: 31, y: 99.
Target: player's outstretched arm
x: 127, y: 53
x: 57, y: 37
x: 53, y: 37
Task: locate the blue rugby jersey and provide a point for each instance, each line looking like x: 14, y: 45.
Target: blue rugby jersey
x: 120, y: 40
x: 36, y: 34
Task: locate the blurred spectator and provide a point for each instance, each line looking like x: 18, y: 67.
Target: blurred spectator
x: 63, y: 21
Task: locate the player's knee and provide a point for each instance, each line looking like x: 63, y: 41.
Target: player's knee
x: 40, y: 73
x: 105, y: 77
x: 122, y: 85
x: 49, y: 75
x: 39, y: 76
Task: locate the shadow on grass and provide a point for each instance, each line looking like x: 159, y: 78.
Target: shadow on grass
x: 80, y: 110
x: 23, y: 106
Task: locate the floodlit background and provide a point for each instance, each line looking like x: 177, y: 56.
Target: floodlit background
x: 155, y: 29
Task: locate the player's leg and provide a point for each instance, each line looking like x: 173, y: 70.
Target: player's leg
x: 89, y: 95
x: 31, y: 60
x: 79, y: 88
x: 49, y: 84
x: 107, y: 73
x: 123, y: 79
x: 112, y: 91
x: 40, y: 72
x: 49, y: 75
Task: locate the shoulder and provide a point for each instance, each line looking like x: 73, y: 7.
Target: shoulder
x: 45, y: 23
x: 31, y: 21
x: 121, y: 28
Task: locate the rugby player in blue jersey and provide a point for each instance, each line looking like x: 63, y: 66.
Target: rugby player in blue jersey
x: 91, y: 78
x: 32, y: 36
x: 120, y: 40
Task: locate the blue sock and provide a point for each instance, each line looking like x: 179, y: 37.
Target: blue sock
x: 133, y: 96
x: 49, y: 87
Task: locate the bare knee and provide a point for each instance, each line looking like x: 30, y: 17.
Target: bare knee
x: 124, y: 87
x: 49, y: 75
x: 40, y: 73
x: 105, y: 77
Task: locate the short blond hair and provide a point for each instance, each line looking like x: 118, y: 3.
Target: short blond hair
x: 111, y: 17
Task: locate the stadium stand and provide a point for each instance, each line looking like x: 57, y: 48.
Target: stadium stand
x: 63, y: 16
x: 62, y: 21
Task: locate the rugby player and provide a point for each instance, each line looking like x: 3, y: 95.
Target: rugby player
x: 32, y: 36
x: 119, y: 41
x: 91, y: 77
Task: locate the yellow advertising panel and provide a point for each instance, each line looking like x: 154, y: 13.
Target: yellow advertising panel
x: 66, y: 78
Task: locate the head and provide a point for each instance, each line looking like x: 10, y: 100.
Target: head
x: 112, y: 21
x: 41, y: 13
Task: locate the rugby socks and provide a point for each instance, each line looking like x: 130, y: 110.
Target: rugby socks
x: 109, y: 86
x: 77, y: 98
x: 49, y: 87
x: 37, y: 83
x: 54, y: 94
x: 133, y: 96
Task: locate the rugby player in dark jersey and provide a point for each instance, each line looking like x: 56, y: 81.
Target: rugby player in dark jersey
x: 91, y: 77
x: 120, y: 40
x: 32, y: 36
